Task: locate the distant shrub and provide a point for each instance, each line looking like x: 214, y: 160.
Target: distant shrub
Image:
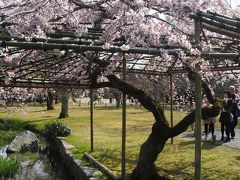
x: 8, y: 167
x: 56, y: 128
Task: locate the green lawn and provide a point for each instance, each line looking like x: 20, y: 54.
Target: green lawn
x: 177, y: 160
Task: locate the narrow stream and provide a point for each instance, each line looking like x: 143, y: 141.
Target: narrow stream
x: 37, y: 166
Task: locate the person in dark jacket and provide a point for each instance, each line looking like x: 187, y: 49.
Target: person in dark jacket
x: 233, y: 110
x: 226, y: 116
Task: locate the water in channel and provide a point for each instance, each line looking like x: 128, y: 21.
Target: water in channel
x: 36, y: 166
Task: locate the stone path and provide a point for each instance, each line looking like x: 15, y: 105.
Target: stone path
x: 234, y: 143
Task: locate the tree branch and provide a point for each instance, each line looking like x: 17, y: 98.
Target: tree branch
x: 101, y: 85
x: 24, y: 12
x: 143, y: 98
x: 174, y: 26
x: 207, y: 112
x: 205, y: 87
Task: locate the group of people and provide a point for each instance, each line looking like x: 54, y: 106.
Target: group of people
x: 228, y: 116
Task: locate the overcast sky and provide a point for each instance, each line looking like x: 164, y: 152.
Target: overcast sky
x: 234, y: 3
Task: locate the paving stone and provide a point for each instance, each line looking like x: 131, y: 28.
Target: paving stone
x: 234, y: 143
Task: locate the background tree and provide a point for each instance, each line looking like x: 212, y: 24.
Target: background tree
x: 50, y: 100
x: 64, y: 106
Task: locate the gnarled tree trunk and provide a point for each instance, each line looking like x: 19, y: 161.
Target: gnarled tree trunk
x: 161, y: 131
x: 149, y: 152
x: 64, y: 107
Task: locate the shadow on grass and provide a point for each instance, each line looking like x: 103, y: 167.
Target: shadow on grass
x: 209, y: 145
x: 42, y: 120
x: 115, y: 108
x: 110, y: 154
x: 177, y: 170
x: 206, y: 144
x: 186, y: 143
x: 238, y: 158
x: 16, y: 125
x: 49, y: 116
x: 143, y: 112
x: 112, y: 160
x: 42, y: 110
x: 134, y: 128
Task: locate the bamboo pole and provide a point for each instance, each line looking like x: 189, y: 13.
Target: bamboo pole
x: 198, y: 113
x: 101, y: 166
x: 123, y: 167
x: 171, y: 103
x: 220, y: 15
x: 77, y: 42
x: 54, y: 40
x: 91, y: 120
x: 114, y: 49
x: 198, y: 119
x: 216, y: 24
x: 216, y: 17
x: 40, y: 84
x: 72, y: 35
x: 221, y: 31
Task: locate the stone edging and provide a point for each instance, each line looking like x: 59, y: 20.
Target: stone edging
x: 75, y: 166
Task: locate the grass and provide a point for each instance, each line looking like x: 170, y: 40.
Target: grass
x: 6, y: 137
x: 176, y: 161
x: 9, y: 128
x: 8, y: 167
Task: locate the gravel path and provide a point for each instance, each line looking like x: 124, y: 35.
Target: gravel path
x: 234, y: 143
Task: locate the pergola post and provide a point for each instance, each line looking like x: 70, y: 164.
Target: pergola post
x: 171, y: 103
x: 91, y: 119
x: 198, y: 131
x: 123, y: 168
x: 198, y: 112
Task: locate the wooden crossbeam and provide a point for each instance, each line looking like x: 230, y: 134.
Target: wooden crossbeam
x: 114, y: 49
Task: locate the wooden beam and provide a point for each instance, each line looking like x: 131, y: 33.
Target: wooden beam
x: 171, y: 102
x: 220, y: 25
x: 198, y: 112
x: 101, y: 166
x: 221, y: 31
x: 221, y: 19
x: 26, y: 84
x: 91, y: 119
x: 83, y: 48
x: 220, y: 15
x: 198, y: 132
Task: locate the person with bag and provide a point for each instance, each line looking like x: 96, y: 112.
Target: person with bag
x: 209, y: 124
x: 226, y: 116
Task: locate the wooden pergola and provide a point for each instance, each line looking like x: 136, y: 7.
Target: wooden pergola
x: 52, y: 70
